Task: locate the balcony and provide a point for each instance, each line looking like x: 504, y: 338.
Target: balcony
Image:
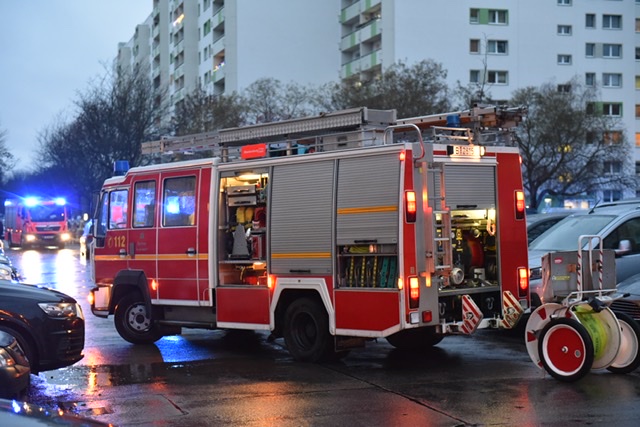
x: 370, y: 31
x: 372, y: 4
x: 218, y: 19
x: 218, y: 46
x: 217, y: 74
x: 350, y: 13
x: 371, y: 60
x: 349, y: 42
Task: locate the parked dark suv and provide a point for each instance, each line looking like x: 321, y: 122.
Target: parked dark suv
x: 48, y: 324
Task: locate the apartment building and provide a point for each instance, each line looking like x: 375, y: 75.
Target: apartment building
x: 225, y: 45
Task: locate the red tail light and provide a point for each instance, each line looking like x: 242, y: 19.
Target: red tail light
x: 523, y: 282
x: 410, y: 207
x: 520, y: 204
x: 414, y: 292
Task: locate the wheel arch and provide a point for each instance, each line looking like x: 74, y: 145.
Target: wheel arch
x: 126, y: 282
x: 285, y: 294
x: 26, y: 333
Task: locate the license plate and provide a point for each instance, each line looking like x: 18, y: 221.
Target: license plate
x: 47, y: 237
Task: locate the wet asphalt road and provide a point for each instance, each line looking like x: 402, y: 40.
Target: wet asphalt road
x: 218, y: 378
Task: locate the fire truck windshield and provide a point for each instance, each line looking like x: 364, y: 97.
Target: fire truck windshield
x: 43, y: 213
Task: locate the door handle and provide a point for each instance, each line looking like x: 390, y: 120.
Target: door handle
x: 191, y: 251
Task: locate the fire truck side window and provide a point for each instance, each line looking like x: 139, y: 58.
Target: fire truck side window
x: 144, y: 197
x: 179, y: 202
x: 118, y: 208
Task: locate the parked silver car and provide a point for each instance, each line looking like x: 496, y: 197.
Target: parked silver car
x: 618, y: 223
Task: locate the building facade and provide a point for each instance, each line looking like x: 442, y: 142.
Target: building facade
x: 225, y: 45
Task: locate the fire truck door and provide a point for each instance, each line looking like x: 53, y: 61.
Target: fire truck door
x: 142, y: 240
x: 177, y: 246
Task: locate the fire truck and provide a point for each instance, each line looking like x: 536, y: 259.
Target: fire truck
x: 33, y: 221
x: 328, y: 231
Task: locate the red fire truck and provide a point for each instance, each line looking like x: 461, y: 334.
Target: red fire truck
x: 328, y: 231
x: 33, y: 221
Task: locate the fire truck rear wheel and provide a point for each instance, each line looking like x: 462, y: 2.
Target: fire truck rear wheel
x: 306, y: 331
x: 566, y: 349
x: 133, y: 322
x: 415, y: 339
x: 628, y: 357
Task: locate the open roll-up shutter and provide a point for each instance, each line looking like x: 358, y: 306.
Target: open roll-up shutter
x: 367, y: 201
x: 301, y: 215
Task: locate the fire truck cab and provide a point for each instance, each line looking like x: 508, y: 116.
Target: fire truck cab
x: 328, y: 231
x: 32, y: 221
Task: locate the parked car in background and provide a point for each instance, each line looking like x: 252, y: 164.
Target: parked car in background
x: 48, y: 325
x: 7, y: 270
x: 14, y: 368
x: 617, y: 223
x: 541, y: 222
x: 629, y: 305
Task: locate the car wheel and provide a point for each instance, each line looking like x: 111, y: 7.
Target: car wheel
x: 133, y: 321
x: 27, y: 345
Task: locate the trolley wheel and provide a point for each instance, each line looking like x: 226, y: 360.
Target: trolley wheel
x: 566, y: 349
x: 628, y: 357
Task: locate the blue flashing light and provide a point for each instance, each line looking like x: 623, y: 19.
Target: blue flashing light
x: 30, y: 201
x: 60, y: 201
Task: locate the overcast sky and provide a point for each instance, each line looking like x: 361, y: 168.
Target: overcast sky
x: 51, y: 50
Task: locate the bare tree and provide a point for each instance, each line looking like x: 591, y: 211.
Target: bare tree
x: 203, y: 112
x: 566, y: 144
x: 6, y: 158
x: 268, y: 100
x: 412, y: 90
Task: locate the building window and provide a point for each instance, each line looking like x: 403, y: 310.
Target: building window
x: 638, y: 139
x: 564, y: 59
x: 637, y: 111
x: 564, y: 2
x: 637, y: 53
x: 590, y: 50
x: 497, y: 46
x: 474, y: 76
x: 474, y: 16
x: 612, y: 109
x: 637, y: 82
x: 565, y: 88
x: 590, y: 79
x: 611, y: 195
x: 497, y: 77
x: 612, y: 22
x: 590, y: 20
x: 498, y: 17
x: 611, y: 80
x: 612, y: 168
x: 612, y: 50
x: 564, y: 30
x: 474, y: 46
x: 637, y: 25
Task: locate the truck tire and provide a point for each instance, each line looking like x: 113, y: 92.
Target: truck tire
x: 133, y: 322
x: 415, y: 339
x: 306, y: 331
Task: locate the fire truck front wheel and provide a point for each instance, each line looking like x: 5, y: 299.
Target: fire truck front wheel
x: 306, y: 331
x: 133, y: 321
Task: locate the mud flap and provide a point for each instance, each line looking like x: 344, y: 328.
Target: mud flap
x: 471, y: 315
x: 512, y: 311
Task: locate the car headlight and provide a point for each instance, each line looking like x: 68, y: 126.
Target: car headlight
x: 30, y: 237
x: 535, y: 273
x: 65, y: 236
x: 61, y: 309
x: 5, y: 274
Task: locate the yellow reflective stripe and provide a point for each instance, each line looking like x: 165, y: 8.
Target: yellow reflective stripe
x: 371, y: 209
x: 163, y: 257
x: 302, y: 255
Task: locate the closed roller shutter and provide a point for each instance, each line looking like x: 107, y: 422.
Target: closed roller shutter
x: 367, y: 201
x: 301, y: 213
x: 468, y: 186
